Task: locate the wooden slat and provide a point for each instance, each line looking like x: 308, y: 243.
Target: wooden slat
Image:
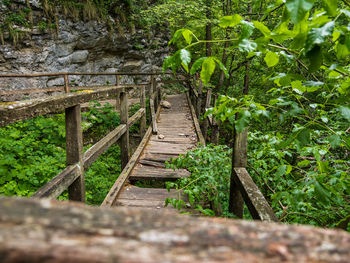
x: 137, y: 116
x: 118, y: 185
x: 195, y: 121
x: 101, y: 146
x: 56, y: 186
x: 254, y: 199
x: 143, y: 172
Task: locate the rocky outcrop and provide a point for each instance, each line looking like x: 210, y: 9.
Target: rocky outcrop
x: 79, y: 46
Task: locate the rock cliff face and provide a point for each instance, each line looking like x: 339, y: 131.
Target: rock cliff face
x: 78, y: 46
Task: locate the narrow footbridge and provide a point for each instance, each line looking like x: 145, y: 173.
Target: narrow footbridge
x: 40, y: 230
x: 174, y: 129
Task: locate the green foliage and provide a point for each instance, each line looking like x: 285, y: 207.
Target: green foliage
x: 210, y: 169
x: 32, y: 152
x: 298, y: 110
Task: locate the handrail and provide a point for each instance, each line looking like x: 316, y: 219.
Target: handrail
x: 72, y: 177
x: 28, y: 75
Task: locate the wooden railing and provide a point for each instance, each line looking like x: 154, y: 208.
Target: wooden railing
x: 72, y: 177
x: 242, y: 187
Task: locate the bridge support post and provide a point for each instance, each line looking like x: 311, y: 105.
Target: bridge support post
x: 124, y: 139
x: 215, y: 127
x: 143, y: 105
x: 117, y: 83
x: 239, y: 159
x: 199, y: 100
x: 152, y: 107
x: 206, y: 121
x: 74, y: 151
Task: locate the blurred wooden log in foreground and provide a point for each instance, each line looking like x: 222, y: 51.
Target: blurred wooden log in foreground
x: 51, y: 231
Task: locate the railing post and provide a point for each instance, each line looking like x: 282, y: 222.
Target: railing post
x: 66, y: 83
x: 206, y: 121
x: 199, y: 100
x: 117, y: 83
x: 124, y: 139
x: 143, y: 105
x: 152, y: 106
x: 239, y: 159
x: 74, y: 151
x: 215, y: 128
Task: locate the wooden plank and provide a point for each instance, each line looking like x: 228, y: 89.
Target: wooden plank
x: 101, y: 146
x: 124, y: 119
x: 142, y: 172
x: 56, y: 186
x: 74, y: 151
x: 256, y: 202
x: 152, y: 163
x: 138, y: 193
x: 32, y: 108
x: 195, y: 121
x: 118, y: 185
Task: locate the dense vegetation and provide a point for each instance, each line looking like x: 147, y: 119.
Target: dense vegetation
x: 32, y: 152
x: 287, y: 79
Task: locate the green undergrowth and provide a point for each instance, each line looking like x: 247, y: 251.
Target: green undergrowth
x: 32, y: 152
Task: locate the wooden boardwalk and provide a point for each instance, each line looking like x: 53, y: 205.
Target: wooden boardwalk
x: 176, y: 135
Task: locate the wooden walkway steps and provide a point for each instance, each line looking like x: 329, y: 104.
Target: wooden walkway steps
x: 176, y: 135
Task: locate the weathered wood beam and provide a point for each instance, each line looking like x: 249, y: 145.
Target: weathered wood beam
x: 95, y: 151
x: 124, y: 119
x: 32, y: 108
x: 51, y: 231
x: 74, y: 151
x: 199, y: 100
x: 254, y: 199
x: 56, y: 186
x: 144, y: 116
x: 124, y: 175
x: 206, y: 120
x: 152, y: 107
x: 239, y: 159
x: 195, y: 121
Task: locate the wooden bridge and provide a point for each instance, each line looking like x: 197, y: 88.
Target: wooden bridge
x: 172, y: 131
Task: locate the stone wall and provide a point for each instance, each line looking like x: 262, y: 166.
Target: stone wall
x: 78, y: 46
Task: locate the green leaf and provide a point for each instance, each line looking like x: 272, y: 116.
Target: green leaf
x: 322, y: 194
x: 187, y: 34
x: 242, y: 120
x: 317, y: 36
x: 315, y: 58
x: 197, y: 64
x: 334, y: 140
x: 263, y: 29
x: 271, y: 59
x: 208, y: 68
x: 331, y: 7
x: 185, y: 57
x: 247, y: 29
x: 247, y: 45
x: 230, y: 21
x: 304, y: 137
x: 345, y: 112
x: 298, y: 9
x: 222, y: 67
